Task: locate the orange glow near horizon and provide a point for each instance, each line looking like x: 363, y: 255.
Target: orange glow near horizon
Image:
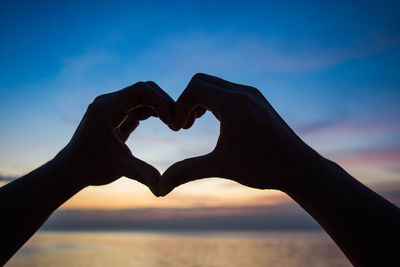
x: 126, y: 194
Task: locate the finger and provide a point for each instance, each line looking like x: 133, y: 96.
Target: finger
x: 185, y: 171
x: 235, y: 86
x: 163, y: 106
x: 142, y: 94
x: 190, y: 120
x: 200, y: 111
x: 131, y: 121
x: 155, y: 86
x: 127, y: 127
x: 142, y: 172
x: 203, y: 94
x: 196, y: 113
x: 228, y: 85
x: 218, y: 81
x: 144, y: 113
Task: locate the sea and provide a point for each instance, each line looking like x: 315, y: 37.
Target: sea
x: 181, y: 248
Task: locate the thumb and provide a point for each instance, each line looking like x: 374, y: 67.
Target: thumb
x: 142, y: 172
x: 185, y: 171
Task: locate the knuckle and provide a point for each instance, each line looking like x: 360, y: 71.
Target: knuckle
x: 100, y: 98
x: 138, y: 86
x: 152, y: 83
x: 99, y: 103
x: 252, y: 90
x: 198, y: 75
x: 135, y: 89
x: 93, y: 106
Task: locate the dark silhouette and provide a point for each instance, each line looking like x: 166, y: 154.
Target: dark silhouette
x: 255, y: 148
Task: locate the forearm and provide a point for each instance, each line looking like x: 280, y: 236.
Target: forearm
x: 27, y: 202
x: 362, y: 223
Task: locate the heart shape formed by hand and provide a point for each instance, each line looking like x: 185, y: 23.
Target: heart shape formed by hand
x: 255, y: 146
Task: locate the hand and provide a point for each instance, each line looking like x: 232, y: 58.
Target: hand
x: 255, y: 148
x: 97, y: 153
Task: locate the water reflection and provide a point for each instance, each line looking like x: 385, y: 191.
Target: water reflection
x: 187, y: 249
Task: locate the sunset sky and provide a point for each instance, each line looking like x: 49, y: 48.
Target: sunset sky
x: 331, y: 70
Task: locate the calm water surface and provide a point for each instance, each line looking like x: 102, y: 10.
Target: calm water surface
x: 187, y: 249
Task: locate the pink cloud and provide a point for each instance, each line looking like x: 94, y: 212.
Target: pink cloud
x: 354, y: 127
x: 382, y: 156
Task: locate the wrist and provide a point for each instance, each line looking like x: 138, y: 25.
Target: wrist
x: 313, y: 174
x: 67, y: 171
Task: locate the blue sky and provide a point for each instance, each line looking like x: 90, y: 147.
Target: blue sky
x: 332, y: 70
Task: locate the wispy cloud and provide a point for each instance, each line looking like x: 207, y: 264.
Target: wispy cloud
x: 364, y: 125
x: 381, y: 156
x: 283, y: 216
x: 69, y: 121
x: 346, y: 135
x: 223, y: 51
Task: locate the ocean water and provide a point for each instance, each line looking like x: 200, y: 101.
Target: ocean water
x: 203, y: 248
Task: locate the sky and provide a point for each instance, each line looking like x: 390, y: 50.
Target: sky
x: 332, y: 70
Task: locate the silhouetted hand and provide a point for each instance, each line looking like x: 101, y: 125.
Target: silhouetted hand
x: 97, y: 153
x: 255, y: 147
x: 258, y: 149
